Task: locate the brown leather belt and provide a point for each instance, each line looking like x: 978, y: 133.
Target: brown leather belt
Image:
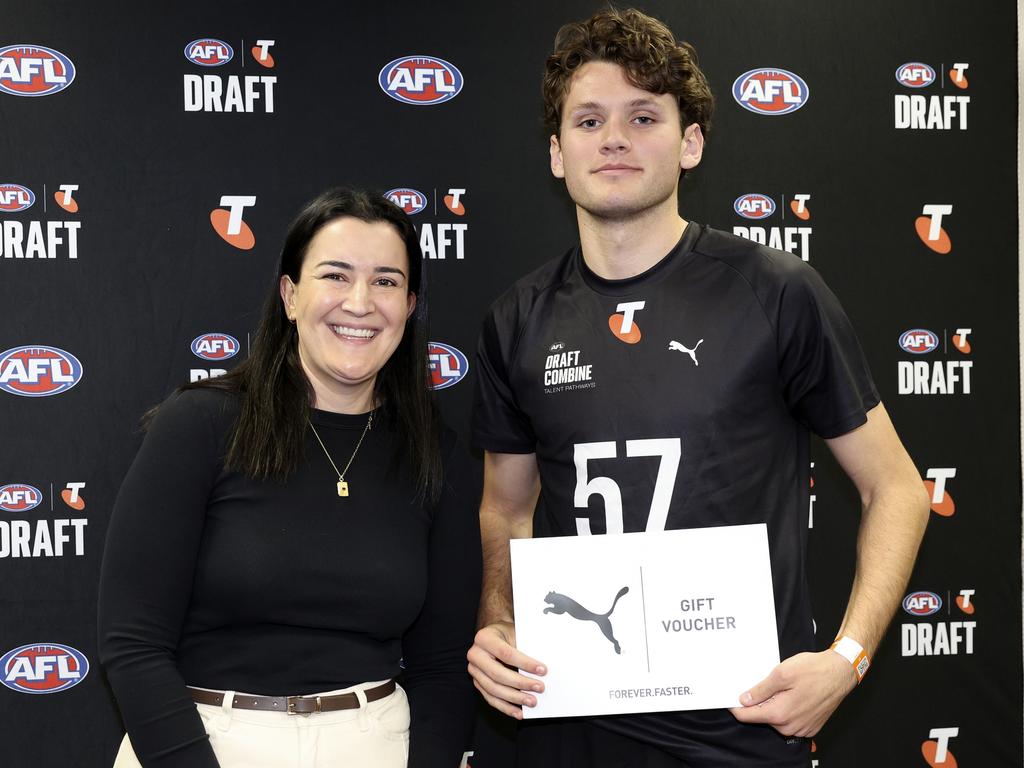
x: 293, y: 705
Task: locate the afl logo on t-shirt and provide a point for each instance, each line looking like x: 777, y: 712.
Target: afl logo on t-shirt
x: 447, y: 366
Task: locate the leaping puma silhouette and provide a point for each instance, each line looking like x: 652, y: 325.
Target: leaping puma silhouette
x: 563, y: 604
x: 691, y: 352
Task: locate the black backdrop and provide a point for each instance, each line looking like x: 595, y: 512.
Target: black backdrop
x: 150, y: 273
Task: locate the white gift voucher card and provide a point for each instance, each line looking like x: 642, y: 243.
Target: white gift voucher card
x: 645, y: 622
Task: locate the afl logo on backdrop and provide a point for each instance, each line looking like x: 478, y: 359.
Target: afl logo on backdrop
x: 38, y: 371
x: 420, y: 80
x: 409, y: 200
x: 915, y: 75
x: 43, y: 668
x: 770, y: 91
x: 447, y: 365
x: 18, y: 497
x: 14, y: 198
x: 918, y: 341
x: 209, y: 52
x: 922, y: 603
x: 32, y: 70
x: 754, y: 206
x: 215, y: 346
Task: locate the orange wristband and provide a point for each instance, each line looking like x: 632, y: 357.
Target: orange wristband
x: 852, y: 651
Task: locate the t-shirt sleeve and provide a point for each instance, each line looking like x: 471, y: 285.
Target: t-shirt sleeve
x: 442, y: 700
x: 825, y: 378
x: 499, y: 425
x: 146, y: 582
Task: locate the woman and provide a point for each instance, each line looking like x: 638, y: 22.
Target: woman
x: 290, y: 531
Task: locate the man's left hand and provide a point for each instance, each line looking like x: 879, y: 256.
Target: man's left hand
x: 800, y: 694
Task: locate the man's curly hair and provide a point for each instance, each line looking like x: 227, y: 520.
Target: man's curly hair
x: 644, y: 47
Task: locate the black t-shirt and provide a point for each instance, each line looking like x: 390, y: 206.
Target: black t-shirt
x: 679, y: 398
x: 214, y: 580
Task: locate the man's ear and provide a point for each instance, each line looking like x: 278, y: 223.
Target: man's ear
x: 692, y: 147
x: 555, y: 149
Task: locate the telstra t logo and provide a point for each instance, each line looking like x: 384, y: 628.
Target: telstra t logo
x: 929, y: 227
x: 941, y: 501
x: 936, y: 753
x: 623, y: 325
x: 261, y: 53
x: 64, y: 199
x: 229, y: 224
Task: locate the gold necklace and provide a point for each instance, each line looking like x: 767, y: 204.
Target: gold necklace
x: 342, y: 485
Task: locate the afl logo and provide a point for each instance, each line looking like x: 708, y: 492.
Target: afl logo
x: 420, y: 80
x: 770, y: 91
x: 918, y: 341
x: 915, y: 75
x: 215, y: 346
x: 43, y: 668
x: 37, y: 371
x: 18, y: 497
x: 447, y: 365
x: 922, y: 603
x: 754, y: 206
x: 14, y: 198
x: 209, y: 52
x: 409, y: 200
x: 32, y: 70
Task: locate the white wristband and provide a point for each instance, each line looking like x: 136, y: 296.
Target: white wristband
x: 852, y: 651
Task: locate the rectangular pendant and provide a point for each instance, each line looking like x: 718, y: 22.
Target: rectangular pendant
x: 342, y: 488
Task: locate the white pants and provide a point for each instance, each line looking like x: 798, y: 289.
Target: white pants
x: 376, y: 734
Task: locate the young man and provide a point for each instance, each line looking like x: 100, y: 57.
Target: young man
x: 695, y: 348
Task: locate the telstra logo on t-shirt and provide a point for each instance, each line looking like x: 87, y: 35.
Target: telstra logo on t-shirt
x: 623, y: 325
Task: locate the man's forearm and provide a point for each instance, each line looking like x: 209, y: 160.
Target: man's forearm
x: 497, y: 527
x: 891, y: 529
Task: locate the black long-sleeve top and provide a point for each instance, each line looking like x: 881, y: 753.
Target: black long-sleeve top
x: 214, y: 580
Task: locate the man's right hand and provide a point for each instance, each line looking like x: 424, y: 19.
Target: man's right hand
x: 494, y: 663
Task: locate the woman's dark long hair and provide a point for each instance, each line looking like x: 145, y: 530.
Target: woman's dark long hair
x: 274, y: 393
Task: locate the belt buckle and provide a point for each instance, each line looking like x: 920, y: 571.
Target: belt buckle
x: 292, y: 700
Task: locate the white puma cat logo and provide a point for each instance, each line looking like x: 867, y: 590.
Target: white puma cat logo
x: 691, y: 352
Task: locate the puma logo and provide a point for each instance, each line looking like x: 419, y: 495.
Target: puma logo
x: 563, y: 604
x: 691, y: 352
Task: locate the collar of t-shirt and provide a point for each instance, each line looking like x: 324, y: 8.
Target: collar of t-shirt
x: 667, y: 264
